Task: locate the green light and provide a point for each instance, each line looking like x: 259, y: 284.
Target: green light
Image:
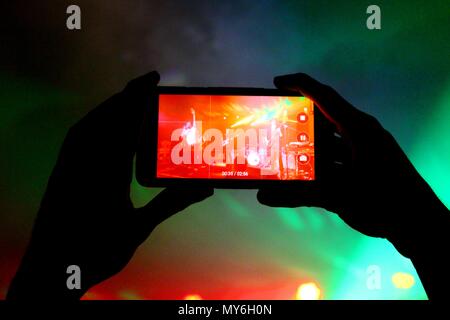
x: 381, y: 253
x: 431, y: 153
x: 291, y: 218
x: 313, y: 218
x: 229, y: 198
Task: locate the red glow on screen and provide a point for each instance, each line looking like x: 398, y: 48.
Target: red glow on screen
x: 235, y: 137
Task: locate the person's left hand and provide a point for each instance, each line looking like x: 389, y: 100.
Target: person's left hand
x: 86, y: 217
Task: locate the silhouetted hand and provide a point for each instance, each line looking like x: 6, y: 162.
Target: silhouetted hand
x: 376, y: 190
x: 86, y: 217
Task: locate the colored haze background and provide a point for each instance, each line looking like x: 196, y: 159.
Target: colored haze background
x: 228, y: 246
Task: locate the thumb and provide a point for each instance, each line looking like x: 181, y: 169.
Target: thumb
x: 167, y: 203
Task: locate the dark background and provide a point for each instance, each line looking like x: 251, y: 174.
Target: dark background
x: 228, y: 246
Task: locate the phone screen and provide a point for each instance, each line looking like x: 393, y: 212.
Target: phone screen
x: 235, y: 137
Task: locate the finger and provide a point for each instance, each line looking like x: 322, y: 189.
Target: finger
x: 167, y: 203
x: 136, y: 103
x: 143, y: 83
x: 332, y: 105
x: 127, y: 111
x: 104, y: 142
x: 124, y: 107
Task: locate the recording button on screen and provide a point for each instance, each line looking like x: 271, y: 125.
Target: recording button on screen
x: 302, y: 117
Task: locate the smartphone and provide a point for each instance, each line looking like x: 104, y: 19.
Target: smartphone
x: 228, y: 138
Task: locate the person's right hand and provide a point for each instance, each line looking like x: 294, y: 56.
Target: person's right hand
x: 380, y: 193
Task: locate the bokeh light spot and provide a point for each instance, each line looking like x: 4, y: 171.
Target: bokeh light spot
x: 308, y: 291
x: 403, y: 280
x: 193, y: 297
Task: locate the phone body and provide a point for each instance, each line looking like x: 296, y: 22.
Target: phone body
x: 229, y: 138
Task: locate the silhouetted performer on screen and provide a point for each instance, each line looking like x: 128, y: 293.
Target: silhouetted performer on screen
x: 87, y: 219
